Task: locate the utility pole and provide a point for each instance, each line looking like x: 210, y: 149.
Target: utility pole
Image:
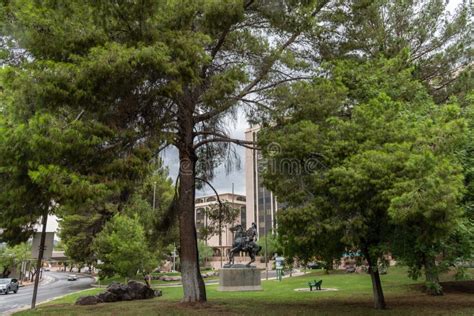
x: 220, y: 233
x: 265, y: 231
x: 174, y: 258
x: 40, y: 259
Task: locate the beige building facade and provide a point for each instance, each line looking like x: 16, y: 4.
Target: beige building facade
x: 204, y: 203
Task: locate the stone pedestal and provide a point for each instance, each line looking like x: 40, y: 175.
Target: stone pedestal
x: 240, y: 279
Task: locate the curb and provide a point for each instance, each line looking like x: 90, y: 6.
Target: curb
x: 26, y: 307
x: 46, y: 280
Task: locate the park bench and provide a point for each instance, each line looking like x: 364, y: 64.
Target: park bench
x: 316, y: 285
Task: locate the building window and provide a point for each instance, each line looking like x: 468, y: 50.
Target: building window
x: 243, y: 217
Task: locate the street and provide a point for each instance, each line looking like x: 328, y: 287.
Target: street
x: 58, y: 285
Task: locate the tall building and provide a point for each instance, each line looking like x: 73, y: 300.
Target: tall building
x: 204, y: 203
x: 261, y: 203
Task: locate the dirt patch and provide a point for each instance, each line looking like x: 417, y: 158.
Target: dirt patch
x: 450, y: 287
x: 458, y: 287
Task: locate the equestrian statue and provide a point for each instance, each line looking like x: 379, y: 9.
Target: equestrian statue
x: 244, y: 241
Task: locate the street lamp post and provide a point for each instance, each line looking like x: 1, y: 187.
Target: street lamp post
x: 265, y: 232
x: 174, y: 258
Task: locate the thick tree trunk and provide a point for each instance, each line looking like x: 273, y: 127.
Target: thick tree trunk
x: 432, y: 278
x: 379, y: 299
x: 193, y: 283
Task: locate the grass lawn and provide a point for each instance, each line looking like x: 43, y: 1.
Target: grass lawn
x: 354, y: 297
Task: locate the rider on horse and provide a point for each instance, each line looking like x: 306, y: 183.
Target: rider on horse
x: 244, y: 242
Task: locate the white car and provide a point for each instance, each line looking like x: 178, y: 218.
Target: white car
x: 72, y: 277
x: 8, y: 285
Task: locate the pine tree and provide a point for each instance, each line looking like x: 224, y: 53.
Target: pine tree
x: 154, y: 70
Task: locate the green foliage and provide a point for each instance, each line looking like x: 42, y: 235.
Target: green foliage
x: 376, y: 168
x: 12, y: 257
x: 270, y: 246
x: 152, y: 73
x: 217, y: 217
x: 433, y: 288
x: 462, y: 274
x: 205, y: 252
x: 439, y: 41
x: 160, y: 229
x: 123, y: 249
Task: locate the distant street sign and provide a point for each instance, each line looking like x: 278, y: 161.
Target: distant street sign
x: 48, y: 245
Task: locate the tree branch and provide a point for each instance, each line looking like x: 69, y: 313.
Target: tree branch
x: 266, y: 66
x: 78, y: 117
x: 213, y: 189
x: 221, y: 41
x: 243, y: 143
x: 272, y: 85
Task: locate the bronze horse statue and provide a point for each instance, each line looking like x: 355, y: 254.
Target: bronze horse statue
x: 244, y: 241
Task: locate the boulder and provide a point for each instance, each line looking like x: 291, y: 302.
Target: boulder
x: 140, y: 291
x: 117, y: 289
x: 119, y: 292
x: 108, y: 297
x: 88, y: 300
x: 126, y: 297
x: 136, y: 290
x: 148, y: 293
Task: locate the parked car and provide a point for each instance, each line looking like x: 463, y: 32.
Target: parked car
x: 72, y: 277
x: 314, y: 265
x: 8, y: 285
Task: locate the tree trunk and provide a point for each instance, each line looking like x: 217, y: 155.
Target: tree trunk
x: 432, y: 279
x: 6, y: 272
x: 193, y: 283
x: 379, y: 300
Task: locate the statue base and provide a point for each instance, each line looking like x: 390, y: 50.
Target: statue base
x: 237, y: 265
x: 240, y: 279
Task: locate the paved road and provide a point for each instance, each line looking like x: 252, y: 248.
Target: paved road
x: 56, y: 286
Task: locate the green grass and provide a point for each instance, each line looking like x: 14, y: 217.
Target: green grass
x: 354, y: 297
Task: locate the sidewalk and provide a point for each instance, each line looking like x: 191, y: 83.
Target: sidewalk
x: 294, y: 274
x: 44, y: 280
